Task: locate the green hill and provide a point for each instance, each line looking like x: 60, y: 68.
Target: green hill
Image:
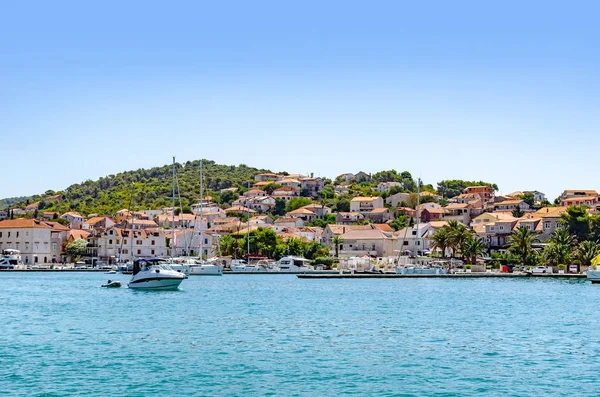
x: 151, y: 188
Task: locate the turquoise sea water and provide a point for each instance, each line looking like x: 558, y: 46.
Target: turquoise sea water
x: 245, y: 335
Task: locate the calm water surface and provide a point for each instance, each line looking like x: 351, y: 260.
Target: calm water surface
x: 63, y: 335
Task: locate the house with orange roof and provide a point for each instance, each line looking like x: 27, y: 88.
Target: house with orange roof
x: 290, y: 182
x: 98, y: 222
x: 266, y: 177
x: 588, y: 201
x: 125, y: 244
x: 380, y: 215
x: 285, y: 193
x: 32, y: 207
x: 284, y: 222
x: 372, y: 242
x: 511, y: 205
x: 239, y: 208
x: 39, y: 242
x: 319, y: 209
x: 74, y: 218
x: 348, y: 218
x: 302, y: 213
x: 486, y: 192
x: 365, y: 205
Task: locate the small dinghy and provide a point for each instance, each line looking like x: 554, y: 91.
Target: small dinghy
x: 112, y: 284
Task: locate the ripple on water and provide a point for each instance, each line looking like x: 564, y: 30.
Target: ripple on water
x: 263, y: 335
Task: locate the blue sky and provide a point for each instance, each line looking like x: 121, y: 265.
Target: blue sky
x: 506, y: 92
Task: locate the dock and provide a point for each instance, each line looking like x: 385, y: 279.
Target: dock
x: 455, y: 275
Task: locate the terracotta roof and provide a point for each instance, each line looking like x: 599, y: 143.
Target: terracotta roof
x: 434, y: 210
x: 286, y: 189
x: 239, y: 208
x: 23, y: 223
x: 456, y: 206
x: 77, y: 234
x: 301, y: 211
x: 286, y: 220
x: 550, y: 212
x: 366, y: 234
x: 580, y: 198
x: 73, y: 214
x: 365, y: 199
x: 340, y: 229
x: 590, y: 192
x: 93, y: 221
x: 384, y: 227
x: 379, y: 210
x: 57, y: 226
x: 508, y: 202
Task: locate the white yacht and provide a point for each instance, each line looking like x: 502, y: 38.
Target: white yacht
x: 154, y: 274
x: 293, y: 264
x: 10, y: 259
x: 202, y: 267
x: 206, y: 269
x: 241, y: 266
x: 593, y: 274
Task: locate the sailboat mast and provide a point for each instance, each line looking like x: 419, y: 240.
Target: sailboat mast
x: 418, y: 215
x: 201, y: 204
x: 248, y: 207
x: 173, y: 213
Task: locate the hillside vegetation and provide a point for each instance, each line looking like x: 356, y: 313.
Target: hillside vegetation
x: 152, y: 189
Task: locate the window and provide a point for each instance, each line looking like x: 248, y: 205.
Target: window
x: 17, y: 234
x: 405, y: 242
x: 0, y: 234
x: 26, y: 234
x: 8, y: 234
x: 152, y: 252
x: 125, y: 241
x: 139, y: 252
x: 109, y: 241
x: 153, y: 243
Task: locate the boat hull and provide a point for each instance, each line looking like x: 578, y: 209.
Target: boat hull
x: 412, y: 270
x: 206, y: 270
x: 163, y: 284
x: 593, y: 276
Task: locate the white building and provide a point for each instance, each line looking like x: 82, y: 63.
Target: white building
x: 39, y: 242
x: 74, y: 218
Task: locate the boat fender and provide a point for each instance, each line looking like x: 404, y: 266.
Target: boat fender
x: 157, y: 270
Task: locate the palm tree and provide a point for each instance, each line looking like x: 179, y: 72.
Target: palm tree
x: 472, y: 248
x: 441, y: 240
x: 562, y: 236
x: 560, y: 249
x: 521, y: 243
x: 584, y: 254
x: 337, y: 241
x: 458, y: 234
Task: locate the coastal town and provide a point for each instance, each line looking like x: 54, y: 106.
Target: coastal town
x: 386, y: 223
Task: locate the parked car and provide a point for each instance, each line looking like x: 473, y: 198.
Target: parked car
x: 541, y: 270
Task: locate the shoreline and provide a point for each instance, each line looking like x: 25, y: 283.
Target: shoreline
x: 455, y: 275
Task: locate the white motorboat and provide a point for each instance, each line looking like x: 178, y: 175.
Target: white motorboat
x: 293, y: 264
x: 154, y: 274
x: 241, y: 266
x: 593, y: 274
x: 10, y: 259
x: 206, y: 269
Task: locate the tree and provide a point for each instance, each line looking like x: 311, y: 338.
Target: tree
x: 473, y: 247
x: 577, y: 221
x: 584, y: 254
x: 441, y: 240
x: 529, y: 198
x: 337, y: 241
x: 518, y: 212
x: 279, y: 208
x: 454, y: 187
x: 342, y: 205
x: 458, y: 234
x: 399, y: 223
x: 76, y: 248
x: 560, y: 248
x: 297, y: 202
x: 521, y: 243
